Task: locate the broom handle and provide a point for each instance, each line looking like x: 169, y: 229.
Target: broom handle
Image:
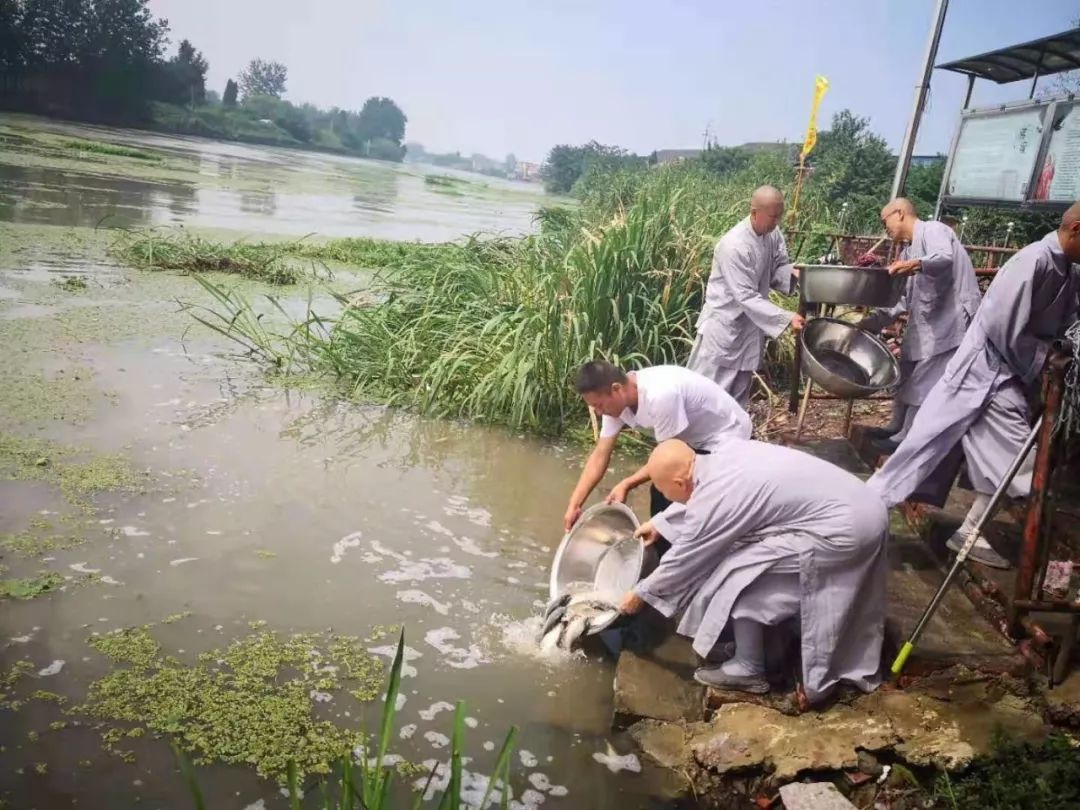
x: 909, y: 645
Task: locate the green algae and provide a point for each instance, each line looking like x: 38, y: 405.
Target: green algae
x: 78, y: 474
x: 29, y: 544
x: 265, y: 554
x: 251, y: 702
x: 28, y: 397
x: 30, y: 587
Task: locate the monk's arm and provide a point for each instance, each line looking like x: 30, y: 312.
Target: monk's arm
x: 737, y: 273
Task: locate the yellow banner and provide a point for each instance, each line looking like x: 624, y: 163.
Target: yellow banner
x: 821, y: 84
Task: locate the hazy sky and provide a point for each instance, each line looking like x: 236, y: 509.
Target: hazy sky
x: 499, y: 76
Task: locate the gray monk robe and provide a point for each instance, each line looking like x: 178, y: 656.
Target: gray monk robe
x: 980, y: 401
x: 765, y: 514
x: 940, y: 301
x: 738, y: 315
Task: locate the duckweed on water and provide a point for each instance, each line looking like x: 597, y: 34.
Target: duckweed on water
x: 76, y: 473
x: 248, y: 703
x: 28, y: 544
x: 29, y: 587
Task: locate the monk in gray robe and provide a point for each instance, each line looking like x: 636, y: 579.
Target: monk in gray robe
x: 768, y: 534
x: 980, y: 402
x: 940, y: 301
x: 737, y: 316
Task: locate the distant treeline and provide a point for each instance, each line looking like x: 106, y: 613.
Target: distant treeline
x: 851, y: 166
x: 104, y: 61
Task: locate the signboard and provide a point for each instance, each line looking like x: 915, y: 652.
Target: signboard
x: 1059, y: 175
x: 995, y: 155
x: 1025, y: 155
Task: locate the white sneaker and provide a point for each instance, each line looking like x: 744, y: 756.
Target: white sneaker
x: 981, y: 552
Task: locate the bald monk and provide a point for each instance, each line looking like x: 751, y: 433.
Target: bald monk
x: 941, y: 299
x: 980, y: 402
x: 737, y: 316
x: 768, y: 534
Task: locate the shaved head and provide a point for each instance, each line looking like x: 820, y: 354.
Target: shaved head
x: 766, y: 209
x: 766, y: 195
x: 1069, y: 232
x: 671, y: 468
x: 899, y: 218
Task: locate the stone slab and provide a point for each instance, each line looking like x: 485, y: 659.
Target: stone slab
x: 813, y: 796
x: 933, y: 729
x: 659, y: 685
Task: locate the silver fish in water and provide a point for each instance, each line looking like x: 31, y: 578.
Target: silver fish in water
x: 576, y: 613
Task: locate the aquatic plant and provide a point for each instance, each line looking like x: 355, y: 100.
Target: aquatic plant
x: 360, y: 777
x: 176, y: 249
x: 29, y: 587
x: 112, y: 149
x: 79, y: 475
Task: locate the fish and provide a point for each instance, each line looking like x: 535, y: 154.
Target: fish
x: 552, y: 619
x: 578, y: 611
x: 575, y: 629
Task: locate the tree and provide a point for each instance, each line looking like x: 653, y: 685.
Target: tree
x: 725, y: 160
x: 851, y: 164
x: 183, y: 78
x: 565, y: 164
x: 228, y: 98
x: 380, y: 118
x: 510, y: 164
x: 262, y: 78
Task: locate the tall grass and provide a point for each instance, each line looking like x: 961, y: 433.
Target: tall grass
x: 360, y: 783
x: 178, y: 250
x: 494, y: 329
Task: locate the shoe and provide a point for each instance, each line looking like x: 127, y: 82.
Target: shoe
x: 983, y: 554
x: 716, y: 678
x: 884, y: 446
x: 879, y: 432
x: 721, y: 653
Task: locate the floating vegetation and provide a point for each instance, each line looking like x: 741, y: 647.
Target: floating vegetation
x: 29, y: 544
x: 78, y: 474
x: 249, y: 703
x: 181, y: 251
x: 33, y: 397
x: 71, y: 283
x: 29, y: 587
x: 112, y: 149
x: 364, y: 784
x: 265, y: 554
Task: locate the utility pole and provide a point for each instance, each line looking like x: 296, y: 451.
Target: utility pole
x: 903, y: 162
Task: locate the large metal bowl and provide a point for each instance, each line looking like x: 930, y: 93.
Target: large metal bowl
x: 601, y: 549
x: 845, y: 360
x: 856, y: 286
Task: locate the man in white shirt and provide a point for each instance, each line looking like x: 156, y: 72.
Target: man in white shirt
x: 671, y: 401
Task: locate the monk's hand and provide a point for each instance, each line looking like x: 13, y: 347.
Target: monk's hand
x: 648, y: 533
x: 571, y: 517
x: 905, y: 268
x: 618, y: 493
x: 797, y: 322
x: 631, y: 604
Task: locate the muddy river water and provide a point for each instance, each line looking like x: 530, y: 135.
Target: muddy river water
x: 259, y: 503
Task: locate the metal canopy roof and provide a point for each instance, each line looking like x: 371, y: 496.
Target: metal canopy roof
x: 1040, y: 57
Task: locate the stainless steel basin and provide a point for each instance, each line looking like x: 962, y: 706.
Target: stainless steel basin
x: 601, y: 550
x: 856, y: 286
x: 846, y: 361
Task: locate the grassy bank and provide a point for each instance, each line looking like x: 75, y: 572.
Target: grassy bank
x: 493, y: 329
